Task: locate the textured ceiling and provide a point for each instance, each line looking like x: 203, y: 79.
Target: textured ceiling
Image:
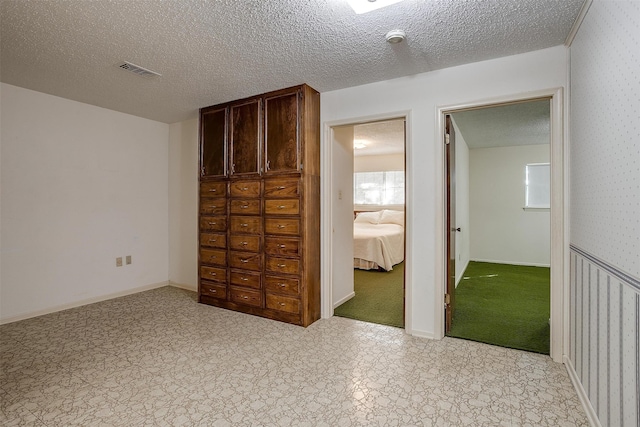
x: 507, y: 125
x: 381, y: 137
x: 215, y: 51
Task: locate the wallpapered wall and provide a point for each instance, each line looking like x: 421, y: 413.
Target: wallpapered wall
x: 605, y: 211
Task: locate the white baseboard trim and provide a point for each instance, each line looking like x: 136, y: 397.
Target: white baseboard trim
x: 193, y: 288
x: 459, y: 279
x: 422, y: 334
x: 87, y: 301
x: 527, y: 264
x: 343, y: 300
x: 582, y: 394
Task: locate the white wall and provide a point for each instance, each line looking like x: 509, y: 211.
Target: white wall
x: 81, y: 185
x: 421, y: 95
x: 377, y: 163
x: 604, y: 294
x: 342, y: 202
x: 501, y: 231
x: 183, y: 204
x: 462, y: 204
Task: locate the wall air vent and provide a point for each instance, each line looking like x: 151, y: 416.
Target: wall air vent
x: 141, y: 71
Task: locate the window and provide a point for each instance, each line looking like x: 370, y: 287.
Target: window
x: 538, y: 186
x: 378, y: 188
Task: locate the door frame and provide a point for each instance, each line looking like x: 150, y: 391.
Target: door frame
x: 559, y: 211
x: 327, y: 197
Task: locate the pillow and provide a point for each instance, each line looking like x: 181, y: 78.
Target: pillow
x: 392, y: 217
x: 368, y: 217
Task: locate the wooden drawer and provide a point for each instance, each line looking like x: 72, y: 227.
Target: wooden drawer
x: 245, y: 261
x: 285, y: 226
x: 289, y: 187
x: 213, y: 189
x: 246, y: 296
x: 282, y: 207
x: 245, y: 188
x: 213, y: 223
x: 213, y: 290
x: 213, y: 240
x: 282, y: 303
x: 244, y: 243
x: 246, y: 224
x: 282, y: 285
x: 212, y: 273
x: 245, y: 206
x: 213, y: 256
x: 245, y: 278
x: 213, y: 206
x: 282, y: 265
x: 286, y: 246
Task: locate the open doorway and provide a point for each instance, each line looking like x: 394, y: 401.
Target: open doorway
x: 498, y: 205
x: 371, y: 200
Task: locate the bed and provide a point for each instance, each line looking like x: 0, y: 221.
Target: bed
x: 378, y: 240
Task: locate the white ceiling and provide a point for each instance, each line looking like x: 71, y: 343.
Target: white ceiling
x: 385, y: 137
x: 210, y: 52
x: 526, y: 123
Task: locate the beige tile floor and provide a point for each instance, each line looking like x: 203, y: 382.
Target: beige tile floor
x: 158, y: 358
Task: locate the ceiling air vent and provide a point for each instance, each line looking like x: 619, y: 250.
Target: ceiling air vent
x: 138, y: 70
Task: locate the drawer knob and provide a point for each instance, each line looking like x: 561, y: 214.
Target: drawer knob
x: 282, y: 285
x: 244, y: 261
x: 282, y: 304
x: 280, y: 226
x: 245, y: 188
x: 213, y: 206
x: 212, y: 274
x: 244, y: 206
x: 244, y: 243
x: 281, y: 206
x: 212, y: 223
x: 212, y: 190
x: 244, y: 225
x: 244, y: 279
x: 213, y: 291
x: 212, y: 240
x: 281, y: 246
x: 282, y: 265
x: 245, y: 297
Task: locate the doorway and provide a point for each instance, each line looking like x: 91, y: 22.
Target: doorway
x: 368, y: 216
x: 501, y: 143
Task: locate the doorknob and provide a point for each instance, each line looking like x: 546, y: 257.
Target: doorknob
x: 456, y: 229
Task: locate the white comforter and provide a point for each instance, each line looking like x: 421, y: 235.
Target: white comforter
x: 379, y: 243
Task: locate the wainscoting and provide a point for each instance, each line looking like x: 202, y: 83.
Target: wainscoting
x: 605, y: 338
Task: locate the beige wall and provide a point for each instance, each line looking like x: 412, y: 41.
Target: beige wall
x: 183, y: 204
x: 386, y: 162
x: 501, y: 231
x: 81, y: 185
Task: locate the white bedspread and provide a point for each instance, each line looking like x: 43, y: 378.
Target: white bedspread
x: 379, y: 243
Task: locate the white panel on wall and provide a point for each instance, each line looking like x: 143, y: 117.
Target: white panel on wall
x: 615, y: 351
x: 603, y: 342
x: 629, y: 357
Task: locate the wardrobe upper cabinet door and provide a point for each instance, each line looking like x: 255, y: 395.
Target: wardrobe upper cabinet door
x: 282, y: 145
x: 213, y: 139
x: 245, y: 137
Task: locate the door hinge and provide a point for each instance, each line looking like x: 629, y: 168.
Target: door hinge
x: 447, y: 299
x: 446, y: 139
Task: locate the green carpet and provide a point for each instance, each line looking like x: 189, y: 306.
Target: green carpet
x: 379, y: 297
x: 505, y: 305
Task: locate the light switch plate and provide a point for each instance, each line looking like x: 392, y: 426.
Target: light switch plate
x: 119, y: 262
x: 128, y: 259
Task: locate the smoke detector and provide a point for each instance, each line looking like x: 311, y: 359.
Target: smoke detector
x: 136, y: 69
x: 395, y: 36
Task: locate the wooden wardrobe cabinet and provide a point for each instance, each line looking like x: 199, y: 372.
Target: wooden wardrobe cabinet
x: 259, y: 210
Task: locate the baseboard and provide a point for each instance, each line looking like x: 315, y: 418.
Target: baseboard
x: 87, y: 301
x: 526, y: 264
x: 343, y: 300
x: 582, y: 394
x: 459, y: 279
x: 193, y: 288
x: 422, y: 334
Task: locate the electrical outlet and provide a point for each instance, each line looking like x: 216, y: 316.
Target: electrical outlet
x: 119, y: 262
x: 128, y: 259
